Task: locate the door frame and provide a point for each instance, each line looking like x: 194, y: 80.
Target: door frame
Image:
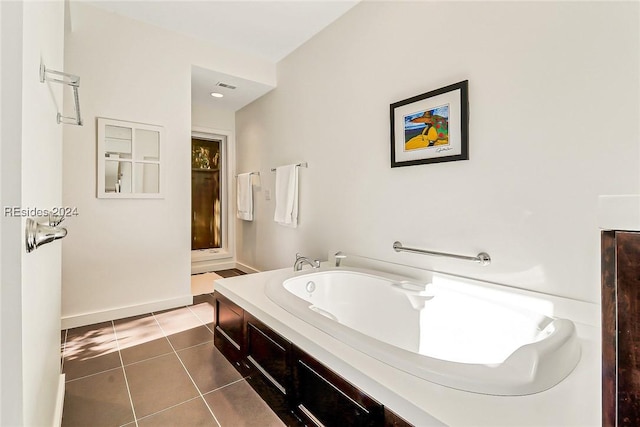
x: 205, y: 259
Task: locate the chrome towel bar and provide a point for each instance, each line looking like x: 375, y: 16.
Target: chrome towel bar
x: 251, y: 173
x: 301, y: 164
x: 48, y: 75
x: 483, y: 258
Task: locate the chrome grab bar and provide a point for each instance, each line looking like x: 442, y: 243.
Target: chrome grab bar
x: 483, y: 258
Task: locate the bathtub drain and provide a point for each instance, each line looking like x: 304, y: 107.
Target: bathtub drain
x: 310, y: 287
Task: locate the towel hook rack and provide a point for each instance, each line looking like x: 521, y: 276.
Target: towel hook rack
x: 483, y: 258
x: 301, y: 164
x: 68, y: 80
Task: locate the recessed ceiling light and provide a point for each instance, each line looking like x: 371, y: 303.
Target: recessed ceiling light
x: 216, y: 95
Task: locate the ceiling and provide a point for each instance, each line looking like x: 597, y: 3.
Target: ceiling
x: 262, y: 28
x: 204, y: 81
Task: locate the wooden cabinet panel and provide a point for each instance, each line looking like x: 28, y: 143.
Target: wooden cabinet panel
x: 228, y: 335
x: 269, y: 353
x: 621, y: 328
x: 269, y: 361
x: 325, y: 398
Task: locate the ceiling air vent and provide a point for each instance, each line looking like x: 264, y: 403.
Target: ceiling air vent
x: 225, y: 85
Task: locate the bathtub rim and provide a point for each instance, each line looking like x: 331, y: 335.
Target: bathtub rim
x: 526, y: 371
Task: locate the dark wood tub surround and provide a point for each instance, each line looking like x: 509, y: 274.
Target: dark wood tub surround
x: 620, y: 328
x: 228, y: 332
x: 327, y: 397
x: 300, y: 389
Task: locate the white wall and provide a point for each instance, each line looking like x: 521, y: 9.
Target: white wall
x: 125, y: 257
x: 11, y: 279
x: 1, y: 276
x: 553, y: 92
x: 32, y: 178
x: 205, y: 116
x: 41, y: 187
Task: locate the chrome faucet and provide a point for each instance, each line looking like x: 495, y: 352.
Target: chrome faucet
x: 297, y: 266
x: 339, y: 256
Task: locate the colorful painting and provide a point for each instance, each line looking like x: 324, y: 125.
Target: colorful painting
x: 432, y: 127
x: 426, y: 129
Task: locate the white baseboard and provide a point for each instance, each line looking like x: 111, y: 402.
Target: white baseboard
x: 246, y: 268
x: 57, y: 416
x: 121, y: 312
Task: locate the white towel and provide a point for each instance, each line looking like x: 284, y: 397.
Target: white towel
x: 287, y: 196
x: 245, y: 197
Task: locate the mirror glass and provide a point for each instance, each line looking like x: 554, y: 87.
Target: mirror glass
x: 117, y: 177
x: 147, y: 177
x: 129, y: 156
x: 117, y: 141
x: 147, y: 145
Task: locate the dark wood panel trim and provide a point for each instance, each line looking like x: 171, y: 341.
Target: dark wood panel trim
x: 269, y: 352
x: 391, y: 419
x: 628, y: 318
x: 330, y: 384
x: 257, y: 329
x: 279, y: 403
x: 231, y: 347
x: 309, y: 416
x: 358, y: 398
x: 231, y: 340
x: 609, y: 334
x: 267, y: 375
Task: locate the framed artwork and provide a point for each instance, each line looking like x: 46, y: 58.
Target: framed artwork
x: 432, y: 127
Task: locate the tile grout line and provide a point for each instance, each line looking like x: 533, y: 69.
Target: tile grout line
x: 126, y: 381
x: 170, y: 407
x: 159, y: 355
x: 206, y: 326
x: 227, y: 385
x: 186, y: 370
x: 137, y: 362
x: 198, y: 317
x: 94, y: 374
x: 64, y: 350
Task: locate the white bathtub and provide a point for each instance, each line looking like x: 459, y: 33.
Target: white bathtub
x: 453, y: 332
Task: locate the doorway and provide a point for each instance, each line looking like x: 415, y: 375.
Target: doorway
x: 207, y: 183
x: 212, y: 213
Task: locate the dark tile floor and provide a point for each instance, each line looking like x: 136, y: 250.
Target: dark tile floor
x: 160, y: 369
x: 230, y: 273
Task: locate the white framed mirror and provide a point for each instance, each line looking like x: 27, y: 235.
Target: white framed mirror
x: 129, y: 160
